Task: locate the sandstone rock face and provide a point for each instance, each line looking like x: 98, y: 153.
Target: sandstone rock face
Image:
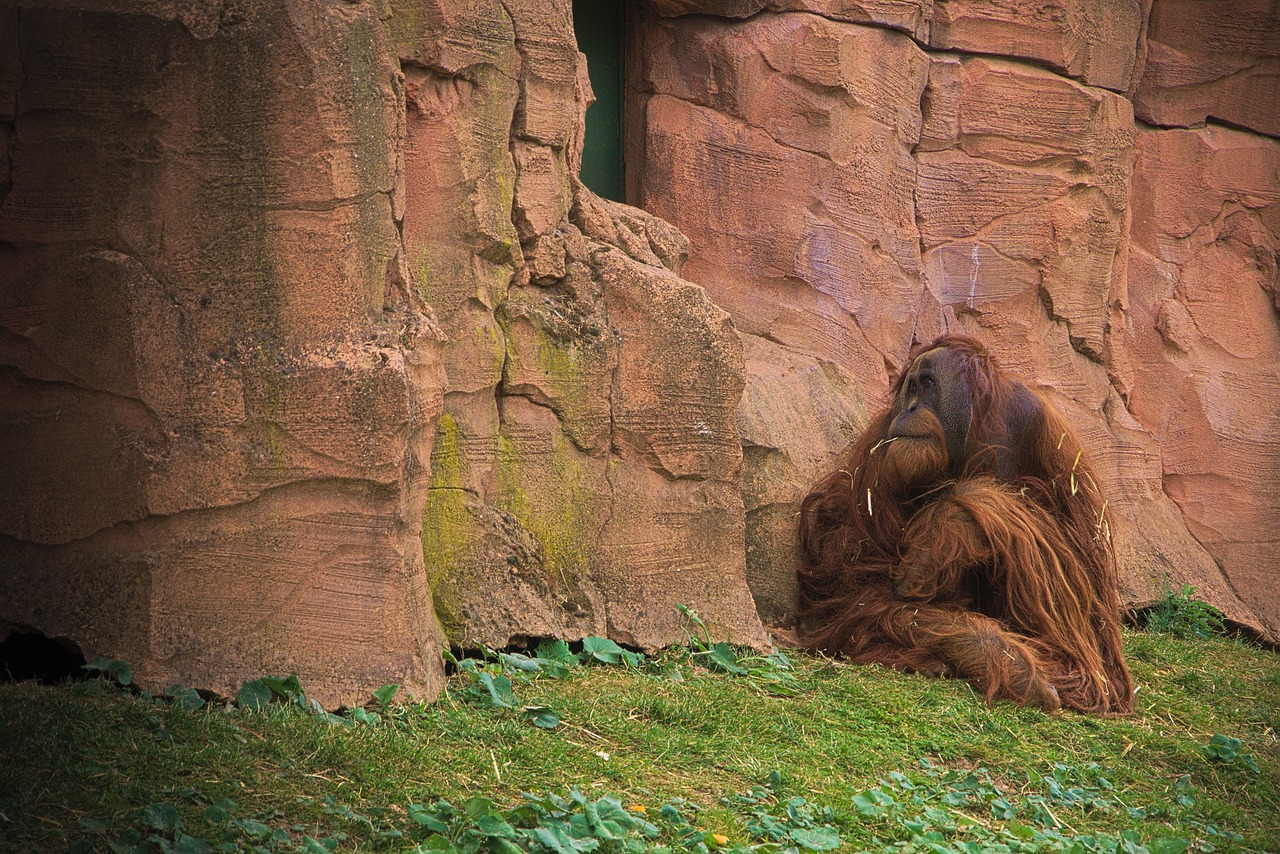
x: 846, y: 192
x: 797, y: 128
x: 242, y: 444
x: 1092, y: 40
x: 316, y: 355
x: 1218, y: 61
x: 1023, y: 178
x: 218, y: 386
x: 587, y: 470
x: 1204, y: 343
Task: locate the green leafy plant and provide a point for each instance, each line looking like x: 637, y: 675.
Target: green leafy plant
x: 489, y: 684
x: 938, y: 809
x: 491, y: 678
x: 792, y: 823
x: 184, y: 697
x: 574, y: 823
x: 159, y: 827
x: 379, y: 705
x: 256, y: 694
x: 1225, y: 749
x: 773, y: 673
x: 1182, y: 615
x: 111, y: 669
x: 679, y: 748
x: 605, y: 651
x: 569, y: 824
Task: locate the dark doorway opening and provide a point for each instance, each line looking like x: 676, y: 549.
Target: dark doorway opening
x: 599, y: 26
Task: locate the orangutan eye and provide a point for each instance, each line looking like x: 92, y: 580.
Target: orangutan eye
x: 927, y: 381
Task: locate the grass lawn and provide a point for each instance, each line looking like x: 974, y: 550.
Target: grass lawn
x: 820, y: 757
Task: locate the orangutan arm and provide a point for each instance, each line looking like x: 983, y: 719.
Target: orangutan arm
x: 1000, y: 663
x: 942, y: 544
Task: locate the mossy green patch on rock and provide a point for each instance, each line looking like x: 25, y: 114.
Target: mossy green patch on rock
x: 560, y: 355
x: 449, y: 530
x: 551, y: 498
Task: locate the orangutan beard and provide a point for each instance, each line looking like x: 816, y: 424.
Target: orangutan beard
x: 915, y: 460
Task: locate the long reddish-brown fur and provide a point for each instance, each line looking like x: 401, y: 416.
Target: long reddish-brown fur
x: 997, y: 567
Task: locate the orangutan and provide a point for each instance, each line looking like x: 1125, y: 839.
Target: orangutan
x: 965, y: 534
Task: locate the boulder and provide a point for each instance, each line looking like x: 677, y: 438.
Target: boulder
x: 219, y: 386
x: 587, y: 470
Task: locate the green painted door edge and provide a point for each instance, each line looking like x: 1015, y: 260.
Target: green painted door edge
x: 598, y: 25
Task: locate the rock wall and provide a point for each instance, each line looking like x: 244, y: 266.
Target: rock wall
x: 316, y: 355
x: 218, y: 386
x: 978, y: 167
x: 587, y: 468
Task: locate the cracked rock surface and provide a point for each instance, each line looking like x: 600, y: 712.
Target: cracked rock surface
x: 316, y: 356
x: 976, y: 167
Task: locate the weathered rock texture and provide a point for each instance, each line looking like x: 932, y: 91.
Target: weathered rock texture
x: 587, y: 468
x: 316, y: 355
x: 313, y: 346
x: 1202, y: 344
x: 848, y: 187
x: 1218, y: 61
x: 218, y: 387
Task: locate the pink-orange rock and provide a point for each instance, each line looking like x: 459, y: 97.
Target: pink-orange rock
x: 1216, y: 61
x: 781, y: 147
x: 910, y: 16
x: 761, y: 143
x: 218, y: 385
x: 238, y: 443
x: 1204, y: 345
x: 1022, y: 191
x: 1095, y: 41
x: 587, y: 470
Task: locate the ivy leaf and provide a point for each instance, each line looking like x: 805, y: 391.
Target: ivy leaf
x: 254, y: 695
x: 498, y: 689
x: 430, y: 819
x: 111, y: 669
x: 556, y: 650
x: 162, y: 817
x: 824, y: 838
x: 288, y: 689
x: 384, y: 695
x: 193, y: 845
x: 478, y: 807
x: 185, y: 698
x: 557, y: 839
x: 493, y: 826
x: 724, y: 657
x: 873, y: 802
x: 364, y: 716
x: 602, y: 650
x: 220, y: 812
x: 632, y: 659
x: 541, y: 716
x: 518, y: 662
